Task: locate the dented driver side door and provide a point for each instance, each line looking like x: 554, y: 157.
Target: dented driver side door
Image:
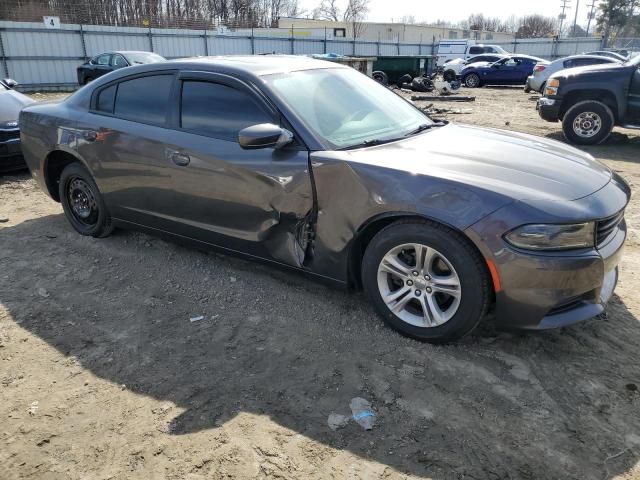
x: 254, y: 201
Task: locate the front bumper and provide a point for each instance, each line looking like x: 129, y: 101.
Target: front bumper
x: 548, y: 109
x: 543, y: 290
x: 11, y: 156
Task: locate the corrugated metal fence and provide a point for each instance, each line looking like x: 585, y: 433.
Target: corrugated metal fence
x: 41, y: 58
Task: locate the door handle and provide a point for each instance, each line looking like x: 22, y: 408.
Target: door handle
x: 180, y: 159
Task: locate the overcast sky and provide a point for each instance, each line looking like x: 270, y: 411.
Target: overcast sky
x: 455, y: 10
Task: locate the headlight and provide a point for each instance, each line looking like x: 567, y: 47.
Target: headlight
x: 552, y: 237
x: 552, y: 87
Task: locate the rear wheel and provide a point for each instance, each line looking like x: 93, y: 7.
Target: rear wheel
x: 426, y: 281
x: 82, y: 202
x: 472, y: 80
x: 588, y: 123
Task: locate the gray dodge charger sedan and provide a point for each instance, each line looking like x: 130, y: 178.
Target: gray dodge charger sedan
x: 313, y: 166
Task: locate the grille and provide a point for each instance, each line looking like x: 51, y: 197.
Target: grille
x: 6, y: 135
x: 605, y: 227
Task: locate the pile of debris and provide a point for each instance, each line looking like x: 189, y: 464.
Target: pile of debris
x: 428, y: 84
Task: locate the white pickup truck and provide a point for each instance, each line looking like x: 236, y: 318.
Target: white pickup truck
x: 464, y: 49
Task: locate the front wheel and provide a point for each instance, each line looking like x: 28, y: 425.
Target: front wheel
x: 426, y: 281
x: 588, y: 123
x: 472, y: 80
x: 82, y: 202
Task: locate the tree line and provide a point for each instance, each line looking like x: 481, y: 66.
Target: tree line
x: 155, y: 13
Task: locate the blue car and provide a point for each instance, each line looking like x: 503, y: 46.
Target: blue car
x: 512, y: 70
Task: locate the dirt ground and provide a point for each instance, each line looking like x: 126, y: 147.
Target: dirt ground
x: 103, y: 375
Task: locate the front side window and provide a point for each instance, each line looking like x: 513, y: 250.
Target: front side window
x: 218, y: 110
x: 475, y: 50
x: 144, y: 99
x: 345, y: 107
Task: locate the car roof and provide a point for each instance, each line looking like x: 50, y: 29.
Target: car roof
x: 592, y: 57
x: 255, y: 65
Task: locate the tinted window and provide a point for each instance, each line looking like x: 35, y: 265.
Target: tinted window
x: 103, y: 60
x: 217, y: 110
x: 475, y: 50
x: 119, y: 61
x: 144, y: 99
x: 105, y: 99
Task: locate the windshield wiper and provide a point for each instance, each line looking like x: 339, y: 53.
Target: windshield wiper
x: 425, y: 126
x: 372, y: 143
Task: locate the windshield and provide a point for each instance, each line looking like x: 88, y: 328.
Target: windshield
x: 635, y: 61
x: 345, y: 107
x: 144, y: 57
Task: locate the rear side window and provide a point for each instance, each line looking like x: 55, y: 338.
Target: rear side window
x: 106, y: 96
x: 217, y: 110
x: 475, y: 50
x: 103, y: 60
x: 144, y: 99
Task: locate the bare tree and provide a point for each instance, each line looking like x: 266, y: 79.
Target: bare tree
x: 327, y: 10
x: 355, y: 14
x: 536, y: 26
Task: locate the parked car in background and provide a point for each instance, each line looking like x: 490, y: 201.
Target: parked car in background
x: 464, y: 49
x: 541, y: 72
x: 317, y: 167
x: 452, y: 68
x: 11, y: 102
x: 609, y: 54
x: 590, y: 101
x: 512, y: 70
x: 108, y: 62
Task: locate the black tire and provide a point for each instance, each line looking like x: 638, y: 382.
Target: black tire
x: 381, y: 77
x: 406, y: 78
x: 419, y: 84
x: 474, y: 280
x: 588, y: 122
x: 77, y: 186
x: 542, y: 87
x: 449, y: 76
x: 472, y: 80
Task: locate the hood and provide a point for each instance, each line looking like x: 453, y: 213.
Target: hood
x: 514, y: 164
x: 11, y: 102
x: 596, y: 69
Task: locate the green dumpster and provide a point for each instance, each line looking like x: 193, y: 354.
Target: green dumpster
x: 396, y: 66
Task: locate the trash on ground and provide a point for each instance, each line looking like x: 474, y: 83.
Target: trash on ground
x: 43, y: 293
x: 431, y: 110
x: 196, y: 319
x: 33, y: 408
x: 336, y: 421
x: 4, y: 220
x: 429, y: 98
x: 362, y: 413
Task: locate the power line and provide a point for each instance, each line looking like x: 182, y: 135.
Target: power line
x: 565, y: 4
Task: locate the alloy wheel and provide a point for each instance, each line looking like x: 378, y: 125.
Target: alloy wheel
x: 419, y: 285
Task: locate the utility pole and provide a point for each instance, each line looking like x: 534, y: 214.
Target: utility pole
x: 575, y: 18
x: 565, y: 4
x: 592, y: 15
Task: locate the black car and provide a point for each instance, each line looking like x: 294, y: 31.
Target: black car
x: 590, y: 101
x: 107, y: 62
x: 314, y: 166
x: 11, y: 102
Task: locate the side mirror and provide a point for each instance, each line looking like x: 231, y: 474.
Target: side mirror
x: 264, y: 135
x: 10, y: 82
